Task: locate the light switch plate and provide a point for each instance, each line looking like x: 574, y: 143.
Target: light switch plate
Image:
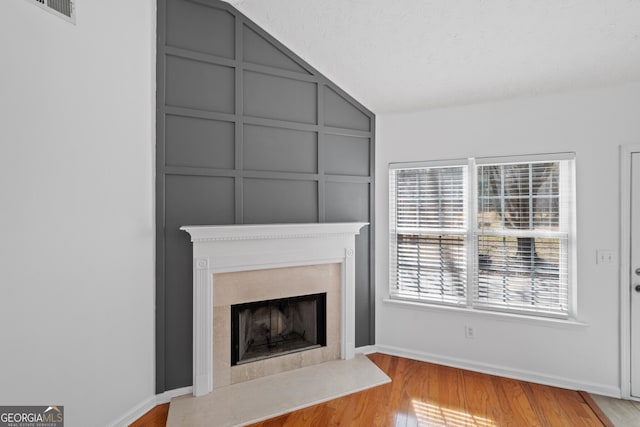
x: 604, y: 257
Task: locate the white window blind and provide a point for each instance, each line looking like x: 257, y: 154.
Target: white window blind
x: 522, y: 236
x: 429, y: 232
x: 501, y: 243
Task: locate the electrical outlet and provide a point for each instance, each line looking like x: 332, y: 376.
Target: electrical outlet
x: 469, y: 332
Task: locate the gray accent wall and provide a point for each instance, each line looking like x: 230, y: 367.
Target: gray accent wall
x: 247, y: 133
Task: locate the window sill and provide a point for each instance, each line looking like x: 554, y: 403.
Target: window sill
x: 506, y: 317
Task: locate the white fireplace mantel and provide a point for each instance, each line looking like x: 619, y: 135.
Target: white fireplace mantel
x: 230, y: 248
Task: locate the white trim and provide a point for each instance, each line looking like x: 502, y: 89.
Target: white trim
x: 170, y: 394
x: 625, y: 266
x: 572, y: 243
x: 508, y: 316
x: 471, y: 221
x: 485, y: 368
x: 367, y: 349
x: 526, y: 158
x: 429, y: 163
x: 147, y: 404
x: 206, y: 233
x: 514, y: 232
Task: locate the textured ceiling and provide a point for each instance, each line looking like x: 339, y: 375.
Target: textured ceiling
x: 399, y: 55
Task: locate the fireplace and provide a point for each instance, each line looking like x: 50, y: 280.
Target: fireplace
x: 264, y: 329
x: 243, y: 264
x: 261, y: 291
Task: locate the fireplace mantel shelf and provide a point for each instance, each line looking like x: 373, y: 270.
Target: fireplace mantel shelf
x: 203, y: 233
x: 233, y: 248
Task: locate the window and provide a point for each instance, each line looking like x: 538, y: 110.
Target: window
x: 486, y: 234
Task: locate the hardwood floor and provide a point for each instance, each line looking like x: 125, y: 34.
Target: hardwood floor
x: 156, y: 417
x: 424, y: 394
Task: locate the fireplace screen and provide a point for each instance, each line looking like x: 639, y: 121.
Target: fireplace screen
x: 264, y: 329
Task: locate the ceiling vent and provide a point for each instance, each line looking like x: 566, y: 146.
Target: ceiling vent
x: 65, y: 9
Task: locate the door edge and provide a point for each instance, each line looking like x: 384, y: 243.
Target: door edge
x: 625, y: 280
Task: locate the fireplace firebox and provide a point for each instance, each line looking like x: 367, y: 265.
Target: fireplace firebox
x: 264, y: 329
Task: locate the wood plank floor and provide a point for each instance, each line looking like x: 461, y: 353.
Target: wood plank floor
x: 424, y: 394
x: 156, y: 417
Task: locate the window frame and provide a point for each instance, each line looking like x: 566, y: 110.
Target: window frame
x: 566, y: 224
x: 393, y: 233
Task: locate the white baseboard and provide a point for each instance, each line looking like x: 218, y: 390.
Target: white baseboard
x: 146, y: 405
x: 486, y: 368
x: 367, y: 349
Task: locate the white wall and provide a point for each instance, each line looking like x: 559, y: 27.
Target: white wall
x: 593, y: 124
x: 76, y: 208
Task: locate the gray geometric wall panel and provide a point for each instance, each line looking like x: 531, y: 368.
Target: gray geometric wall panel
x: 247, y: 132
x: 199, y: 85
x: 341, y: 113
x: 277, y: 200
x: 279, y: 150
x: 199, y: 143
x: 347, y: 202
x: 200, y: 28
x: 196, y: 200
x: 257, y: 50
x: 296, y: 99
x: 347, y: 155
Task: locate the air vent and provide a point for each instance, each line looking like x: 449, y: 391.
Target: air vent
x: 65, y: 9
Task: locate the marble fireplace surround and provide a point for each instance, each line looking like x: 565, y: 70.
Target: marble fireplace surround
x: 236, y: 248
x: 240, y: 287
